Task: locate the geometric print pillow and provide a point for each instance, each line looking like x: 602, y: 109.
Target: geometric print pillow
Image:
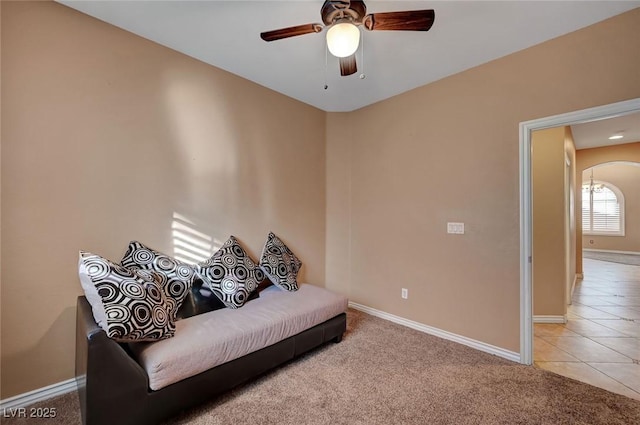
x: 178, y: 276
x: 129, y: 305
x: 200, y: 300
x: 231, y: 274
x: 280, y: 264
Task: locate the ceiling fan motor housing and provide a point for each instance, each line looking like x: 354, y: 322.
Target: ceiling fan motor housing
x: 333, y: 10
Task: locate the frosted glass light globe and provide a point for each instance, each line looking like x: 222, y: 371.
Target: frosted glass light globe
x: 343, y: 39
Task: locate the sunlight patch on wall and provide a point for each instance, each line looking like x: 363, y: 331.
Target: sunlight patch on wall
x: 189, y: 244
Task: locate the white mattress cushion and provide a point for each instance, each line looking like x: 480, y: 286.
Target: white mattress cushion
x: 211, y: 339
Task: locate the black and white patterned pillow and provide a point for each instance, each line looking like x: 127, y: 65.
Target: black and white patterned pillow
x: 280, y: 264
x: 202, y: 300
x: 128, y: 304
x: 179, y: 275
x: 231, y: 274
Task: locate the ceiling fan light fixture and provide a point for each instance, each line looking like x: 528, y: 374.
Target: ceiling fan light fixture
x: 342, y: 20
x: 343, y: 39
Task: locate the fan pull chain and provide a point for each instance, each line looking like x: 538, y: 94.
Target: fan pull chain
x: 326, y: 47
x: 362, y: 74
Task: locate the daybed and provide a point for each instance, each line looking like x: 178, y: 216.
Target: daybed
x: 145, y: 383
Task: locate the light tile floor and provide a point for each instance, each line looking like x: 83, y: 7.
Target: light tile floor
x: 600, y: 343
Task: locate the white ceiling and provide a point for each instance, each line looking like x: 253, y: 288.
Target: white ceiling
x: 596, y: 133
x: 465, y: 34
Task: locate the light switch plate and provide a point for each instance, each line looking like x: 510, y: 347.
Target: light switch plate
x: 455, y: 228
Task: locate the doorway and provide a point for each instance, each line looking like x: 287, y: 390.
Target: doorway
x: 526, y: 246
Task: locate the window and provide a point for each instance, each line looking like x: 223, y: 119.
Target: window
x: 602, y: 209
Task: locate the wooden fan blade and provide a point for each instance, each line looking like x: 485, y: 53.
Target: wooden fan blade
x: 410, y: 20
x: 348, y: 65
x: 290, y: 32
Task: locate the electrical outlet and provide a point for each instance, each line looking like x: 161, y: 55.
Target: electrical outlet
x: 405, y: 293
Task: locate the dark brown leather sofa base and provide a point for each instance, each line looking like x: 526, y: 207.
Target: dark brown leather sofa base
x: 114, y: 389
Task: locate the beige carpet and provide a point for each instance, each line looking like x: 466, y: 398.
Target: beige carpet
x: 383, y: 373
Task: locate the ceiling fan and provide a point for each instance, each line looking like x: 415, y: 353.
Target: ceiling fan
x: 342, y: 18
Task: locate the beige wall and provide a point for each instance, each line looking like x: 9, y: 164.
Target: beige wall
x: 626, y: 177
x: 338, y: 249
x: 570, y: 213
x: 448, y: 151
x: 107, y: 135
x: 553, y: 169
x: 0, y: 187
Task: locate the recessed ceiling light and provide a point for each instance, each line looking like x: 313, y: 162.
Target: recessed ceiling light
x: 616, y: 137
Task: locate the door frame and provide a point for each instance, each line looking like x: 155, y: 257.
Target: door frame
x: 526, y: 225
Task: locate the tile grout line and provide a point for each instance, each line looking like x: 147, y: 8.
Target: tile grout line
x: 605, y: 374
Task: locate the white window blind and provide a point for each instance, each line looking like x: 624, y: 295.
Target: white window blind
x: 601, y: 210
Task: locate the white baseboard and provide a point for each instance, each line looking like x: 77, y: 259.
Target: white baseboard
x: 41, y: 394
x: 550, y: 319
x: 478, y: 345
x: 612, y: 251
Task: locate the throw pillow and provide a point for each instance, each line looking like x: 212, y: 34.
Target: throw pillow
x: 264, y: 285
x: 201, y: 299
x: 129, y: 305
x: 179, y: 275
x: 280, y: 264
x: 231, y: 274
